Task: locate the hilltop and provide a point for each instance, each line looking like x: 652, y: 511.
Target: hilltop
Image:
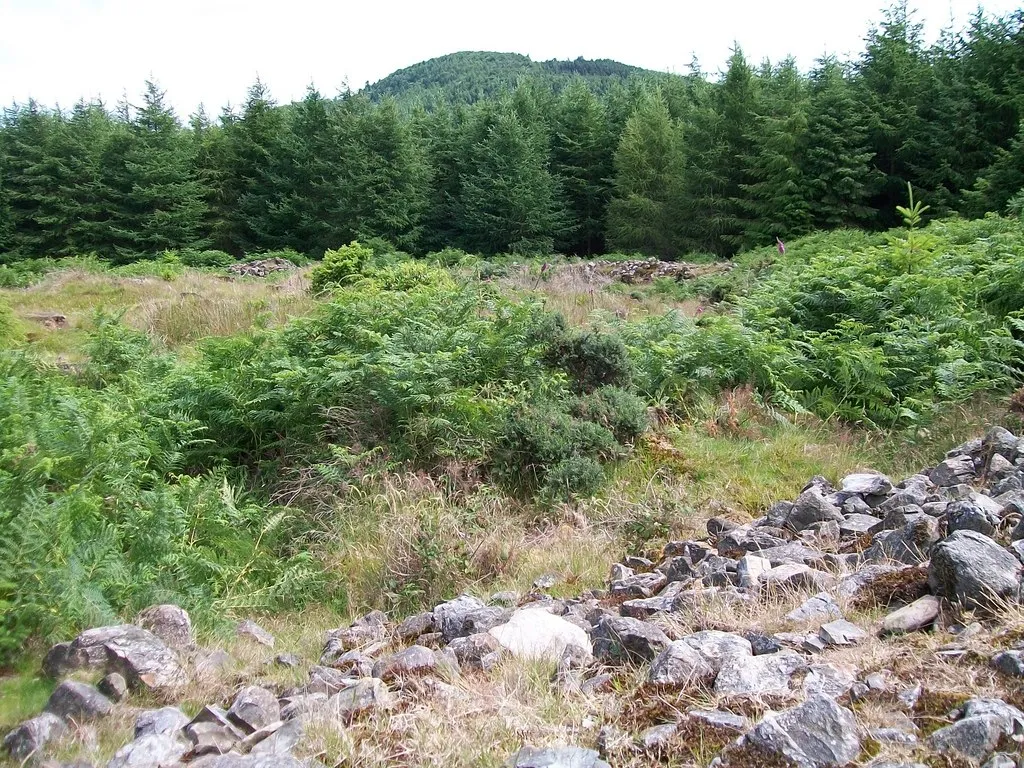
x: 467, y: 77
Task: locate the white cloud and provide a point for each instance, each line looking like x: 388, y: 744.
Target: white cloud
x: 210, y: 51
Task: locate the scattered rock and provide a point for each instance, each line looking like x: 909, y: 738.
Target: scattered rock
x: 253, y: 708
x: 557, y: 757
x: 255, y: 632
x: 261, y: 267
x: 971, y: 569
x: 953, y: 471
x: 451, y: 617
x: 29, y: 738
x: 416, y: 625
x: 472, y: 650
x: 534, y: 633
x: 919, y: 615
x: 289, y: 660
x: 113, y: 686
x: 866, y: 484
x: 75, y: 701
x: 160, y: 721
x: 841, y: 632
x: 151, y: 749
x: 681, y: 665
x: 623, y: 639
x: 1009, y: 663
x: 414, y: 661
x: 171, y: 624
x: 817, y: 734
x: 280, y: 741
x: 758, y: 675
x: 818, y: 608
x: 715, y: 647
x: 364, y: 694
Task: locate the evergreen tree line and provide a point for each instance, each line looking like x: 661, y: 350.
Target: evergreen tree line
x: 659, y: 165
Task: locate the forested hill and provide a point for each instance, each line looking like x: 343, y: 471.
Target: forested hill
x: 471, y: 76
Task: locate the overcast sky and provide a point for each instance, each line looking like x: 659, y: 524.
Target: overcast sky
x: 210, y: 51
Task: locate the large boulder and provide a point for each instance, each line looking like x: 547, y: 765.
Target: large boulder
x: 136, y: 653
x: 969, y: 568
x: 534, y: 633
x: 817, y: 734
x: 984, y: 725
x: 253, y: 708
x: 151, y: 749
x: 811, y: 506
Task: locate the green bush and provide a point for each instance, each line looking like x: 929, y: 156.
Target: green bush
x: 451, y: 257
x: 574, y: 477
x: 8, y: 326
x: 616, y: 409
x: 288, y: 254
x: 405, y: 276
x: 339, y: 267
x: 200, y: 259
x: 591, y: 358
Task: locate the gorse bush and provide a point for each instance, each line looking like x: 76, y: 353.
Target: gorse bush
x: 339, y: 267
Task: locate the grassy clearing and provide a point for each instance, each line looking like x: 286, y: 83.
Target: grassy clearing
x: 176, y: 312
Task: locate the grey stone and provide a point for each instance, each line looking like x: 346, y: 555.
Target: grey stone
x: 171, y: 624
x: 909, y: 545
x: 811, y: 507
x: 859, y: 524
x: 793, y: 553
x: 758, y: 675
x: 1002, y: 442
x: 547, y: 581
x: 761, y: 644
x: 817, y: 734
x: 984, y: 724
x: 353, y: 663
x: 715, y: 647
x: 749, y: 569
x: 820, y: 607
x: 1009, y: 663
x: 140, y: 656
x: 30, y: 737
x: 832, y: 680
x: 749, y: 539
x: 841, y: 632
x: 284, y: 738
x: 892, y: 736
x: 75, y: 701
x: 416, y: 625
x: 965, y: 516
x: 150, y: 750
x: 919, y: 615
x: 971, y: 569
x: 658, y: 737
x: 302, y: 704
x: 557, y: 757
x: 289, y: 660
x: 507, y: 599
x: 1002, y: 760
x: 166, y: 720
x: 953, y: 471
x: 471, y: 650
x: 719, y: 719
x: 254, y: 631
x: 866, y: 484
x: 796, y: 576
x: 326, y: 680
x: 58, y: 661
x: 451, y: 617
x: 535, y: 633
x: 232, y: 760
x: 363, y: 695
x: 113, y: 686
x: 413, y: 661
x: 681, y: 665
x: 855, y: 505
x: 208, y: 738
x: 620, y: 638
x: 639, y: 586
x: 999, y: 467
x: 596, y: 683
x: 253, y: 708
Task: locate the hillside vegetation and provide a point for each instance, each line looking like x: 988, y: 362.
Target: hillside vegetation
x: 471, y: 76
x: 238, y: 474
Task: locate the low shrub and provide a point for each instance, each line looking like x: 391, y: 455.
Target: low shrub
x: 339, y: 267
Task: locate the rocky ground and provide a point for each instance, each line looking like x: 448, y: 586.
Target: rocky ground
x: 873, y: 623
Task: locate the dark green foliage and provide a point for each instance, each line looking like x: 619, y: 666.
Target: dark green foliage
x: 591, y: 358
x: 8, y: 327
x: 576, y: 476
x: 207, y: 258
x: 616, y: 409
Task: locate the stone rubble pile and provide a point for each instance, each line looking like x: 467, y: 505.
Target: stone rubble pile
x: 646, y: 270
x: 937, y: 550
x: 261, y: 267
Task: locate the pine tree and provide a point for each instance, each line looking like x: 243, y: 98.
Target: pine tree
x: 1002, y: 180
x: 836, y: 159
x: 581, y: 159
x: 643, y: 211
x: 508, y: 199
x: 738, y: 104
x: 440, y: 133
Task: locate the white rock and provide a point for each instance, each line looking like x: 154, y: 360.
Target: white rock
x: 533, y: 633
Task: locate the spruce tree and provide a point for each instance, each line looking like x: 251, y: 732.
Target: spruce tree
x: 643, y: 211
x: 837, y: 167
x: 581, y: 159
x: 508, y: 200
x: 774, y: 201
